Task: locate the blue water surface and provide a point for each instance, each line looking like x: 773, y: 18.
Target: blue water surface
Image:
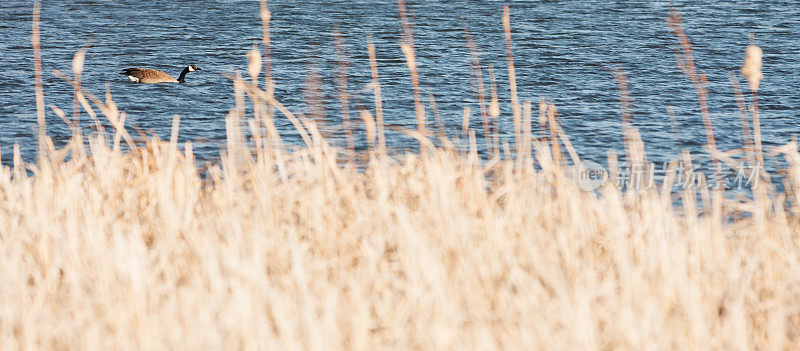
x: 564, y: 51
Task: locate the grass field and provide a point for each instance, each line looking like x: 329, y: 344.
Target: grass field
x: 129, y: 244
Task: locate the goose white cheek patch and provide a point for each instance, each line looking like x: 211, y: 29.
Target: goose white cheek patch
x: 133, y: 79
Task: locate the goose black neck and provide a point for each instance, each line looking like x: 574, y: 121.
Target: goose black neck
x: 183, y: 74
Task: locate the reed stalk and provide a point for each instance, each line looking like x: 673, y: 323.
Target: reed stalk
x: 376, y: 86
x: 699, y: 81
x: 516, y: 109
x: 407, y: 47
x: 344, y: 95
x: 37, y: 68
x: 480, y: 91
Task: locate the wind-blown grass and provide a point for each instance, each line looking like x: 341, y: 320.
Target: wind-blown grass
x: 138, y: 251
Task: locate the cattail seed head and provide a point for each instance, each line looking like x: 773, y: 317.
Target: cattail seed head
x: 751, y: 69
x: 77, y: 62
x: 494, y: 107
x: 254, y: 64
x: 369, y: 125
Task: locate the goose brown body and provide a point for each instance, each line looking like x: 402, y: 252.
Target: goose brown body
x: 147, y: 75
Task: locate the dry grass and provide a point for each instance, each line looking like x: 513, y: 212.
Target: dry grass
x: 138, y: 251
x: 277, y: 249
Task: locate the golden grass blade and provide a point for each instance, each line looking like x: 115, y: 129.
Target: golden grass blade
x: 465, y: 117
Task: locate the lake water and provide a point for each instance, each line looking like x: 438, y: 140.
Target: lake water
x: 564, y: 50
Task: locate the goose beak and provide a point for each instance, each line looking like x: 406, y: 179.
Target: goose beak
x: 198, y: 69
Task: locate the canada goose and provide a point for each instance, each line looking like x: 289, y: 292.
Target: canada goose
x: 146, y: 75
